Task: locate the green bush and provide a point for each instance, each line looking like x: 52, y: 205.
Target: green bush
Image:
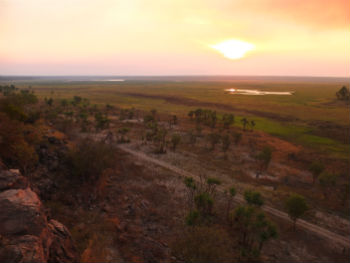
x: 253, y: 198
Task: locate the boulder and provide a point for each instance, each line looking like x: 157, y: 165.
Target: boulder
x: 26, y: 235
x: 12, y: 179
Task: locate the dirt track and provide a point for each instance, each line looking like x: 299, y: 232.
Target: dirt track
x: 321, y: 232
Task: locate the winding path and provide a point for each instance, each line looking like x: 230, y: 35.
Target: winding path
x: 321, y: 232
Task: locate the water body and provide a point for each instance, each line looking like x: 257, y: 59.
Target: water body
x: 255, y: 92
x: 116, y: 80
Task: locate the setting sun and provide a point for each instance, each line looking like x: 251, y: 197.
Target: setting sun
x: 233, y: 49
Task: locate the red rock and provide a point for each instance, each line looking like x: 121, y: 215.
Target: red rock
x: 25, y: 233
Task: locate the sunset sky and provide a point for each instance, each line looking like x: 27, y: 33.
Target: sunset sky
x: 179, y: 37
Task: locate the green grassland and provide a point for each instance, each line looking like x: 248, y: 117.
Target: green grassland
x: 294, y: 117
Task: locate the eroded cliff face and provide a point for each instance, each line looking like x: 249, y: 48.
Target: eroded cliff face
x: 26, y: 235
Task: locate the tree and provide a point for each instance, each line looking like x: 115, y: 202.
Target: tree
x: 191, y: 114
x: 253, y: 198
x: 327, y: 181
x: 174, y: 120
x: 192, y: 137
x: 76, y: 100
x: 296, y: 207
x: 49, y: 101
x: 102, y: 121
x: 345, y: 193
x: 64, y: 103
x: 244, y: 122
x: 252, y: 125
x: 316, y: 168
x: 15, y: 104
x: 237, y: 137
x: 198, y: 129
x: 214, y: 139
x: 16, y: 147
x: 343, y: 94
x: 201, y: 198
x: 204, y: 204
x: 212, y: 183
x: 226, y: 142
x: 154, y: 113
x: 121, y: 135
x: 253, y: 229
x: 264, y: 159
x: 160, y: 140
x: 147, y: 118
x: 228, y: 120
x: 230, y: 195
x: 109, y: 107
x: 191, y: 187
x: 83, y: 116
x: 175, y: 140
x: 212, y: 120
x: 129, y: 114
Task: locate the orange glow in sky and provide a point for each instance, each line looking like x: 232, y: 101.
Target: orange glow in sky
x: 175, y: 37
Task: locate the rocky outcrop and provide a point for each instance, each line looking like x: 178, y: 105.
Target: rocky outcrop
x: 26, y: 235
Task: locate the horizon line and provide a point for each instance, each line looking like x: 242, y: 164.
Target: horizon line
x: 166, y: 75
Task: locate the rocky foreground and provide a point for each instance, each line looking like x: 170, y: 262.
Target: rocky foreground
x: 26, y: 234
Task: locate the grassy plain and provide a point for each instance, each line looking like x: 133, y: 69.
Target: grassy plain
x: 311, y: 116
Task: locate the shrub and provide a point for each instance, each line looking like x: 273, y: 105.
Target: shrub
x: 316, y: 168
x: 175, y: 140
x: 237, y: 137
x: 253, y: 198
x: 192, y: 218
x: 213, y: 138
x: 14, y: 104
x: 15, y: 150
x: 327, y: 181
x: 343, y: 94
x: 89, y: 159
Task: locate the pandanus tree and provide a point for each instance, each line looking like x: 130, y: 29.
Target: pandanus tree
x: 244, y: 122
x: 160, y: 140
x: 230, y: 195
x: 228, y: 120
x: 253, y: 230
x: 252, y: 125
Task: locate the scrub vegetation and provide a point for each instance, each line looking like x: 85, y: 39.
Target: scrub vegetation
x: 217, y: 164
